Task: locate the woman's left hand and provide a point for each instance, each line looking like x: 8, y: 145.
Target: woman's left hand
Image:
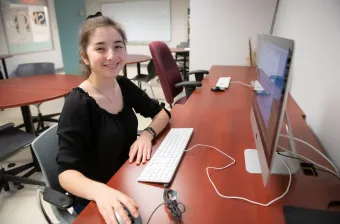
x: 142, y: 148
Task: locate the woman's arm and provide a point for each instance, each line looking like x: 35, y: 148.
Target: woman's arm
x: 142, y: 146
x: 106, y: 198
x: 158, y: 124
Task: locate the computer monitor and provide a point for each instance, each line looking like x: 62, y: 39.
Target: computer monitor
x: 274, y: 56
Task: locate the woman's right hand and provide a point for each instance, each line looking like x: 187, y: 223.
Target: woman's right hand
x: 109, y: 200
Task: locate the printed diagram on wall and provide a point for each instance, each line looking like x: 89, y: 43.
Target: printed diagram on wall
x: 27, y: 28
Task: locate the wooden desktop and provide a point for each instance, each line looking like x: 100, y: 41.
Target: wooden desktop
x: 222, y: 119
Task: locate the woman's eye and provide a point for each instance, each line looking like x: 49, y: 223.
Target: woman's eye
x: 118, y: 47
x: 100, y: 49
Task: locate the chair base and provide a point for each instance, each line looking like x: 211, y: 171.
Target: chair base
x: 10, y: 176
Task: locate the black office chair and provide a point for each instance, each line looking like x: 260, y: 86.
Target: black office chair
x: 11, y: 140
x: 41, y: 68
x: 146, y: 78
x: 46, y: 148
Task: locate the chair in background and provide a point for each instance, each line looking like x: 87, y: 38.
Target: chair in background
x: 46, y: 148
x: 170, y: 76
x: 146, y: 78
x: 11, y: 140
x: 42, y: 68
x: 179, y: 57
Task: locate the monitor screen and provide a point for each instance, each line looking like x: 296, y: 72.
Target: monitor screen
x: 274, y: 55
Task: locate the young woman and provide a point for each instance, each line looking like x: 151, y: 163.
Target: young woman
x: 98, y: 126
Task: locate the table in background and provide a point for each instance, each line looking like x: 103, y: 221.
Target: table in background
x: 185, y: 52
x: 24, y: 91
x: 3, y: 57
x: 135, y: 59
x: 222, y: 119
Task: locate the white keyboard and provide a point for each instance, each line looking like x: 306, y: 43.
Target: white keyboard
x: 163, y: 164
x: 223, y: 82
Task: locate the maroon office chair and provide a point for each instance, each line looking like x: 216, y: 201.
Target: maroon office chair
x: 170, y: 76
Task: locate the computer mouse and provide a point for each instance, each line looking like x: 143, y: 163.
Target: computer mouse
x: 217, y: 89
x: 133, y: 220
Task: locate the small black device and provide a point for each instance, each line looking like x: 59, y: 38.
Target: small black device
x: 217, y: 89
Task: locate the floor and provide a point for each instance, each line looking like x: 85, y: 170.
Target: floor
x: 20, y: 206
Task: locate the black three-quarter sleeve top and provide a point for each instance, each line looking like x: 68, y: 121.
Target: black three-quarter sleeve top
x: 96, y: 142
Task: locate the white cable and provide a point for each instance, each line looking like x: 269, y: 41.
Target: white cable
x: 309, y: 160
x: 233, y: 162
x: 316, y: 150
x: 242, y: 83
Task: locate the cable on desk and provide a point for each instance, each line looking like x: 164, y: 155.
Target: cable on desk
x: 154, y: 212
x: 315, y: 149
x: 170, y: 200
x: 309, y: 160
x: 293, y: 157
x: 242, y: 83
x: 232, y: 163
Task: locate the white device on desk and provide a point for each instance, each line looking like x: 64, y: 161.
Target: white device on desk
x: 163, y: 164
x: 223, y: 82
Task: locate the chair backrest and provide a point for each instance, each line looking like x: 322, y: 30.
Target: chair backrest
x: 166, y: 69
x: 41, y: 68
x: 46, y: 147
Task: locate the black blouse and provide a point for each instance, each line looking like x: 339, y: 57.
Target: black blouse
x: 96, y: 142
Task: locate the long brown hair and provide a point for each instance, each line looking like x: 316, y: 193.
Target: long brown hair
x: 87, y: 29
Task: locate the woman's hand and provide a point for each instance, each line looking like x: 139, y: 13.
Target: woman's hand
x: 142, y: 148
x: 109, y: 200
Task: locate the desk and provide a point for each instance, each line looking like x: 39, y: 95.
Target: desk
x: 24, y: 91
x: 133, y: 59
x: 3, y: 57
x: 185, y: 52
x: 222, y: 119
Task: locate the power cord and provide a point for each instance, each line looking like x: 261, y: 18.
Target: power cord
x: 316, y: 150
x: 242, y: 83
x: 170, y: 201
x: 301, y: 160
x: 232, y: 163
x: 309, y: 160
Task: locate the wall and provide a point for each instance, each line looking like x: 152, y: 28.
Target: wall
x: 179, y: 23
x: 314, y: 25
x: 69, y: 21
x: 46, y: 56
x: 220, y: 30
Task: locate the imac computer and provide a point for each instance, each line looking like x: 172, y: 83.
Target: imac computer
x: 268, y: 110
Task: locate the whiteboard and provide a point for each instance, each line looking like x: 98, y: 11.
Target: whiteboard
x: 143, y: 21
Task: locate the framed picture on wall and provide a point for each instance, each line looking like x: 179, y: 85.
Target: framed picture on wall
x: 27, y: 26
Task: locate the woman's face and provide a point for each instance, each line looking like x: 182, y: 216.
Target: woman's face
x: 105, y: 52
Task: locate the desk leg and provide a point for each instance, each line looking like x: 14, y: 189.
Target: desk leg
x: 29, y: 126
x: 125, y: 71
x: 138, y: 69
x: 5, y: 75
x: 27, y: 117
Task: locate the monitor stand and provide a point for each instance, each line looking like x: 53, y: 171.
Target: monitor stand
x: 252, y: 161
x: 253, y: 164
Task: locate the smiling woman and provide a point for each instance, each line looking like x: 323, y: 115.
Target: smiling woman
x: 98, y: 125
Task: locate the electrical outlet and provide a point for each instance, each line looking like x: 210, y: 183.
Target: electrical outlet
x: 308, y: 169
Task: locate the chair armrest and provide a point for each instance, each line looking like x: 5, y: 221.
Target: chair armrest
x: 58, y: 199
x: 193, y: 84
x: 189, y: 86
x: 199, y: 74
